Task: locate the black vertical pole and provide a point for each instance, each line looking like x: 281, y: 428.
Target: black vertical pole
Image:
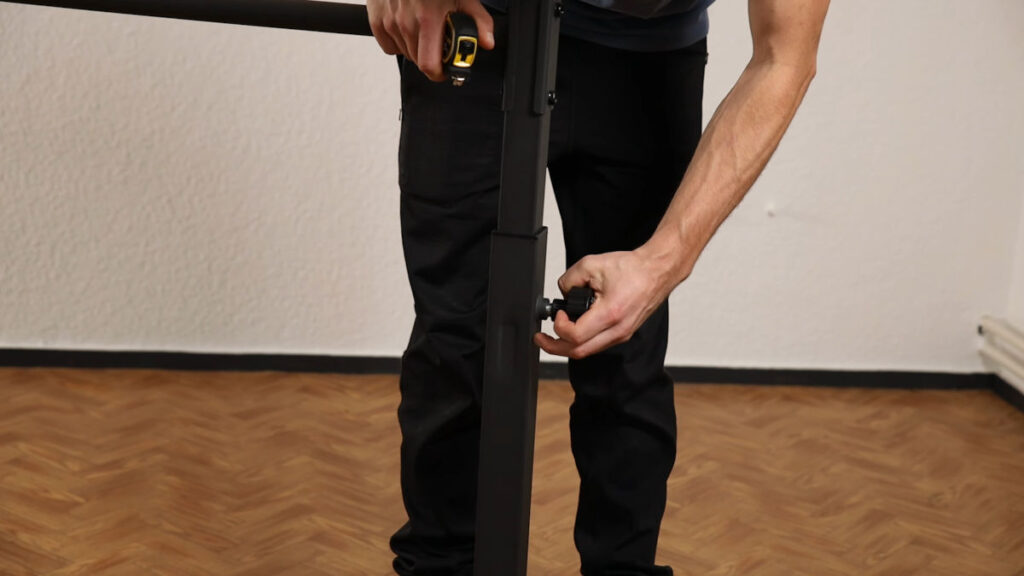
x: 516, y: 283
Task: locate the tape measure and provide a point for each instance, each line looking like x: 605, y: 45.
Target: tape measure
x: 460, y: 44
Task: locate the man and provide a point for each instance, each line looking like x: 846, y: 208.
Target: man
x: 640, y: 191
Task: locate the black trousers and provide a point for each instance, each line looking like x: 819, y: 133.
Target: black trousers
x: 623, y: 132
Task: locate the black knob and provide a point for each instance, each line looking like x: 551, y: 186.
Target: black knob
x: 576, y: 303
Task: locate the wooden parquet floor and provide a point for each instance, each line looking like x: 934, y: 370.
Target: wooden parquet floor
x: 142, y: 473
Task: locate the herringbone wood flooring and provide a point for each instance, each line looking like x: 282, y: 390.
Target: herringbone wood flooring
x: 139, y: 472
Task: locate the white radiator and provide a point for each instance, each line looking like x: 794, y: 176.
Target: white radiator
x: 1003, y: 350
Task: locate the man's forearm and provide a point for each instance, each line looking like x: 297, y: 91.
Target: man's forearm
x: 739, y: 140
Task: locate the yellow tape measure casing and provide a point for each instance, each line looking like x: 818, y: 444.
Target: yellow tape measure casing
x: 460, y: 44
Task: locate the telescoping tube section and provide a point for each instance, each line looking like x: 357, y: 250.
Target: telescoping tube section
x: 311, y: 15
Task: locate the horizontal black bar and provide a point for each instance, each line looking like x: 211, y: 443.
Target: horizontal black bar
x: 311, y: 15
x: 57, y: 358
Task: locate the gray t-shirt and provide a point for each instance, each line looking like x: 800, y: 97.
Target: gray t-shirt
x: 640, y: 25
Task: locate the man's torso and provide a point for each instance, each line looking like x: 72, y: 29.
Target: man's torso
x: 640, y: 25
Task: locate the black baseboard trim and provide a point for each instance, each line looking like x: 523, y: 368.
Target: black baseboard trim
x: 796, y: 377
x: 893, y: 379
x: 50, y: 358
x: 13, y: 357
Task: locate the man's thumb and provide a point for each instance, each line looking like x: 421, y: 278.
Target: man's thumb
x: 484, y: 22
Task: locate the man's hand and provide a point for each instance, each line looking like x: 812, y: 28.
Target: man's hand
x: 415, y: 28
x: 629, y: 287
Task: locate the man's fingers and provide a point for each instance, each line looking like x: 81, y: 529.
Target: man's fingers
x: 484, y: 22
x: 579, y: 274
x: 568, y: 349
x: 602, y: 341
x: 593, y: 322
x: 409, y: 31
x: 390, y: 12
x: 565, y: 329
x: 552, y: 346
x: 429, y: 55
x: 394, y: 35
x: 383, y: 38
x: 376, y: 11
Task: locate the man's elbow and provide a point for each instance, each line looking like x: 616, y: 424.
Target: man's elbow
x: 795, y: 72
x: 802, y: 68
x: 810, y: 70
x: 802, y: 62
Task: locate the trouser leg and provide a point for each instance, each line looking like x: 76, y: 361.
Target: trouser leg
x: 449, y: 165
x: 633, y: 122
x: 622, y: 418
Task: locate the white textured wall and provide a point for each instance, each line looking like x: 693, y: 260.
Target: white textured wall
x: 1016, y: 296
x: 185, y: 186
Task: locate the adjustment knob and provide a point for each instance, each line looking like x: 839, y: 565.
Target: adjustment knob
x: 576, y: 303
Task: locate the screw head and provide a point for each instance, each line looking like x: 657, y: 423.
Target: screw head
x: 552, y: 98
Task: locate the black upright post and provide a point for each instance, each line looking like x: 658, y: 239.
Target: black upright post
x: 516, y: 283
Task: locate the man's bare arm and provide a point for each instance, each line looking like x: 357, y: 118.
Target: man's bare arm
x: 745, y: 130
x: 735, y: 147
